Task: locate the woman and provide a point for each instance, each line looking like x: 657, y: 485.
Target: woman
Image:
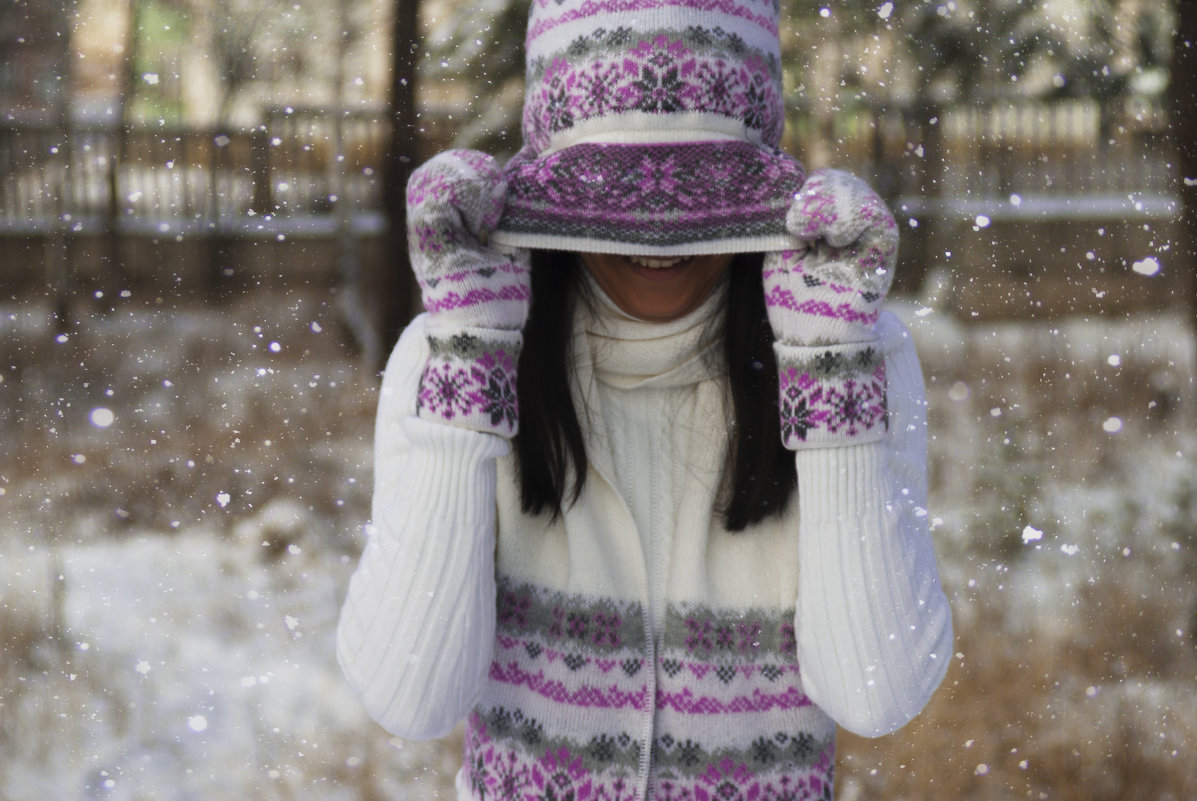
x: 650, y: 470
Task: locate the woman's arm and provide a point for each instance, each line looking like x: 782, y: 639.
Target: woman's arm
x: 417, y: 627
x: 874, y: 627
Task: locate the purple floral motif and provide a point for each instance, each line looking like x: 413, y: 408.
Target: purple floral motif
x: 658, y: 75
x: 717, y: 786
x: 749, y: 636
x: 444, y: 391
x: 508, y: 777
x: 699, y: 636
x: 789, y: 639
x: 799, y: 396
x: 606, y: 629
x: 559, y: 777
x: 657, y: 182
x: 481, y: 391
x: 727, y: 781
x: 725, y: 636
x: 856, y: 406
x: 597, y: 90
x: 848, y: 406
x: 512, y: 608
x: 493, y: 774
x: 673, y: 791
x: 659, y: 92
x: 662, y: 51
x: 653, y: 193
x: 757, y: 107
x: 494, y: 393
x: 577, y: 624
x: 618, y: 790
x: 723, y: 88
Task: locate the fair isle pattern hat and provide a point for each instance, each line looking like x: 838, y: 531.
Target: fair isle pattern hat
x: 651, y: 127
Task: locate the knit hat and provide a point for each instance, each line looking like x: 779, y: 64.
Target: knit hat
x: 651, y: 127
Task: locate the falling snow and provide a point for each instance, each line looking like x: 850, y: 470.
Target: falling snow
x: 199, y: 593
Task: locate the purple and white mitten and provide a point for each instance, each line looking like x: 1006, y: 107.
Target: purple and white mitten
x: 823, y: 299
x: 476, y: 296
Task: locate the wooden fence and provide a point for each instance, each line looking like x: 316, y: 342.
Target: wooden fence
x: 309, y: 167
x: 1079, y: 156
x: 313, y: 165
x: 316, y: 176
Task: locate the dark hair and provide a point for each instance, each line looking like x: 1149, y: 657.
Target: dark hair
x: 760, y: 474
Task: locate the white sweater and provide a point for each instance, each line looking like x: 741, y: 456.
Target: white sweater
x: 417, y: 635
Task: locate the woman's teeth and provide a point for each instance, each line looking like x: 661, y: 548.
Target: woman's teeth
x: 654, y: 264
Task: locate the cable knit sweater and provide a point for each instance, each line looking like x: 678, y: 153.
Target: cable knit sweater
x: 632, y: 649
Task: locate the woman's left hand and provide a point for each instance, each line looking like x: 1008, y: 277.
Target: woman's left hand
x: 823, y: 299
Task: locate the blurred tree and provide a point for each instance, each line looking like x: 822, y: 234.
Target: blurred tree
x: 35, y: 66
x: 916, y: 58
x: 476, y: 58
x: 35, y: 79
x: 243, y: 43
x: 469, y: 68
x: 1183, y: 95
x: 396, y: 287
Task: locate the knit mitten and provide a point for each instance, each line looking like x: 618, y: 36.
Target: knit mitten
x: 476, y: 296
x: 823, y: 299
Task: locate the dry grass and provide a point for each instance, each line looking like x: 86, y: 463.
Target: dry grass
x: 1075, y: 669
x: 204, y: 405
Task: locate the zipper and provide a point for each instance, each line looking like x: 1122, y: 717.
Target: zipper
x: 654, y: 598
x: 650, y: 716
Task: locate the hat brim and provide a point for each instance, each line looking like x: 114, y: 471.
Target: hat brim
x: 675, y: 199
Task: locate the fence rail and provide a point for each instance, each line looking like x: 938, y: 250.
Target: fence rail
x: 1068, y: 158
x: 313, y: 170
x: 296, y: 166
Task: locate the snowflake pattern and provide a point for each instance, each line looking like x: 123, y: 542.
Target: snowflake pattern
x: 653, y: 194
x: 478, y: 393
x: 816, y: 404
x: 698, y: 70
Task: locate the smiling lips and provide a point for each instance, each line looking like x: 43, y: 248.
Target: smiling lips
x: 655, y: 264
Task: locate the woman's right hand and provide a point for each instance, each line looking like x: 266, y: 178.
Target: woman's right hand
x: 477, y: 297
x: 823, y: 300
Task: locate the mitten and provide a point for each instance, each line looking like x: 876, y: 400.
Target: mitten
x: 476, y: 296
x: 823, y: 299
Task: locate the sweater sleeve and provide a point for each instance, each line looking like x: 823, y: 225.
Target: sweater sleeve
x: 873, y: 624
x: 416, y: 630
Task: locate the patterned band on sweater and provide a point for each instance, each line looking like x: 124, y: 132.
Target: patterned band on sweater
x: 831, y: 395
x: 652, y: 195
x: 570, y: 685
x: 469, y: 380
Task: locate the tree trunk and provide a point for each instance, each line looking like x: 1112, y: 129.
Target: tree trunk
x: 1183, y: 94
x: 126, y: 91
x: 396, y: 287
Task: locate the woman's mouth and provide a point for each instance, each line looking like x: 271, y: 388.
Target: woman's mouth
x: 654, y: 263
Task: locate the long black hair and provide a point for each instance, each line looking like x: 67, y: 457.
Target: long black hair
x: 760, y: 474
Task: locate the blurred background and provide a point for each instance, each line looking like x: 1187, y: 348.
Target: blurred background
x: 202, y: 270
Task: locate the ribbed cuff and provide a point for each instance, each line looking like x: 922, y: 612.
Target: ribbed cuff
x: 831, y: 395
x: 836, y: 483
x: 470, y: 380
x: 453, y: 476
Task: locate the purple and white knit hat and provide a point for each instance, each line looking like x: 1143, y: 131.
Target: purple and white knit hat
x: 651, y: 127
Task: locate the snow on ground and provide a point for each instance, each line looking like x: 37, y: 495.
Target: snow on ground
x: 172, y: 572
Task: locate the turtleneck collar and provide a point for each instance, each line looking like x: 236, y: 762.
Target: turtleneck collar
x: 629, y: 352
